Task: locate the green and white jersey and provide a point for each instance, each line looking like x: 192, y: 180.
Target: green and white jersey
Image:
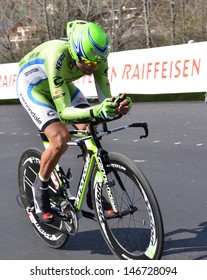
x: 45, y: 88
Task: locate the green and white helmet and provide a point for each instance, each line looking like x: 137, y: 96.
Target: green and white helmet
x: 87, y: 40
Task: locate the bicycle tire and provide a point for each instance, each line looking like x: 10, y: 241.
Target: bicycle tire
x: 136, y: 230
x: 27, y: 170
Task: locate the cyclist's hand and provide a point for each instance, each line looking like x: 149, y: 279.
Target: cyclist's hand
x: 107, y: 110
x: 124, y: 104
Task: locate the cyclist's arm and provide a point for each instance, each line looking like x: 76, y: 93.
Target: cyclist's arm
x: 58, y: 81
x: 62, y: 100
x: 60, y: 94
x: 102, y: 82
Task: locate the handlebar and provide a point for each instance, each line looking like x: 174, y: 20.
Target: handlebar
x: 144, y: 126
x: 98, y: 134
x: 86, y: 135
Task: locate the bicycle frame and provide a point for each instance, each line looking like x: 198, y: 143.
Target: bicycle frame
x: 96, y: 156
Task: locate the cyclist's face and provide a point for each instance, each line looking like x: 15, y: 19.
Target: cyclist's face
x: 86, y: 68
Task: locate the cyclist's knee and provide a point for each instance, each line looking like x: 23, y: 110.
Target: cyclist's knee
x: 60, y: 143
x: 81, y: 126
x: 58, y: 136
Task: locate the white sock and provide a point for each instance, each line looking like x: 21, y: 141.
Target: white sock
x: 43, y: 179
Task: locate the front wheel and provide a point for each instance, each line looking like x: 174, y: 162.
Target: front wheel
x: 28, y: 169
x: 134, y: 230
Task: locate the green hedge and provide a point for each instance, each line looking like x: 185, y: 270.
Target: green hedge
x: 165, y: 97
x: 168, y: 97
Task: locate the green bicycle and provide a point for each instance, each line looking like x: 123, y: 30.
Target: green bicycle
x: 133, y: 229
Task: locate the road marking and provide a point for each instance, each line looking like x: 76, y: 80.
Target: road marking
x: 177, y: 143
x: 157, y: 141
x: 200, y: 144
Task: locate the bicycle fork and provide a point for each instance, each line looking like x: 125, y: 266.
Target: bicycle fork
x: 104, y: 163
x: 102, y: 157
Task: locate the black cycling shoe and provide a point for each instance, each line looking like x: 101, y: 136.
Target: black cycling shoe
x: 42, y: 201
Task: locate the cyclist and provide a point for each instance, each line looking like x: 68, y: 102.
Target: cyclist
x: 46, y: 91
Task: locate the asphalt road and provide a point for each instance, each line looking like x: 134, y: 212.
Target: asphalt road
x: 173, y: 158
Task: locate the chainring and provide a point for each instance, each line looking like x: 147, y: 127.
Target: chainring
x: 70, y: 220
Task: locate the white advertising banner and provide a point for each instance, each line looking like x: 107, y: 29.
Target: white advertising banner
x: 8, y: 76
x: 173, y: 69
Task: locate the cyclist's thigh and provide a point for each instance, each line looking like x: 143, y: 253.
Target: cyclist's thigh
x: 57, y: 132
x: 39, y: 108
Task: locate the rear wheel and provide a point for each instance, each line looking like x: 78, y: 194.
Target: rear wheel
x: 135, y: 229
x: 28, y: 169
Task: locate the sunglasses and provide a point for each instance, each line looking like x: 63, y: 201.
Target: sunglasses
x: 88, y: 62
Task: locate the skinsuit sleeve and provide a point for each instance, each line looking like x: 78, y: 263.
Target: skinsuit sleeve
x: 60, y: 92
x: 102, y: 82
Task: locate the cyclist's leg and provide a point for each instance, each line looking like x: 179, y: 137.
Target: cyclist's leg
x: 58, y: 136
x: 46, y: 119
